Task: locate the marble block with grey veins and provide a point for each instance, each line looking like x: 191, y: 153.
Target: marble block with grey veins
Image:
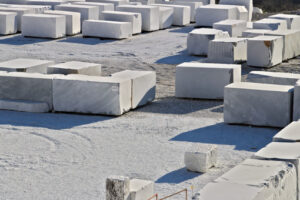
x: 76, y: 67
x: 214, y: 77
x: 258, y: 104
x: 26, y: 65
x: 8, y: 23
x: 296, y: 111
x: 117, y: 188
x: 142, y: 88
x: 290, y: 133
x: 24, y: 106
x: 278, y: 78
x: 106, y: 95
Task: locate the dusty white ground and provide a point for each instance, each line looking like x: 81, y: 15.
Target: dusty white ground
x: 68, y: 156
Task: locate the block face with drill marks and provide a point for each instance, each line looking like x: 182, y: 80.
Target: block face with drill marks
x: 258, y: 104
x: 290, y: 133
x: 44, y: 26
x: 76, y: 67
x: 278, y: 78
x: 216, y: 76
x: 8, y: 23
x: 117, y: 188
x: 293, y: 21
x: 270, y: 24
x: 235, y: 28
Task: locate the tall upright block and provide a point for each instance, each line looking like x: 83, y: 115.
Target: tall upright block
x: 8, y: 23
x: 20, y: 12
x: 278, y: 78
x: 165, y: 17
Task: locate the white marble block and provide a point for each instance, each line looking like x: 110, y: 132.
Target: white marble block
x: 116, y: 3
x: 73, y: 25
x: 278, y: 78
x: 227, y: 50
x: 193, y: 6
x: 101, y: 6
x: 165, y: 17
x: 198, y: 40
x: 117, y: 188
x: 44, y: 26
x: 26, y: 65
x: 150, y: 15
x: 283, y: 151
x: 76, y: 67
x: 290, y: 133
x: 24, y: 106
x: 215, y: 76
x: 248, y: 4
x: 86, y: 12
x: 293, y: 21
x: 235, y: 28
x: 141, y: 189
x: 143, y: 86
x: 106, y: 95
x: 250, y: 33
x: 34, y: 9
x: 270, y: 24
x: 296, y: 113
x: 258, y: 104
x: 107, y: 29
x: 51, y: 3
x: 8, y: 23
x: 134, y: 18
x: 264, y: 51
x: 20, y: 12
x: 201, y: 158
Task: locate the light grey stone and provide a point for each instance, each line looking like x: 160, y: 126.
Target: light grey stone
x: 35, y: 9
x: 101, y: 6
x: 215, y: 76
x: 20, y: 12
x: 296, y: 113
x: 193, y: 5
x: 8, y: 23
x: 293, y: 21
x: 278, y: 78
x: 248, y: 4
x: 117, y: 188
x: 165, y: 17
x: 290, y: 133
x: 258, y: 104
x: 235, y: 28
x: 24, y: 106
x: 270, y: 24
x: 141, y: 189
x: 51, y: 3
x: 115, y: 2
x: 76, y: 67
x: 250, y: 33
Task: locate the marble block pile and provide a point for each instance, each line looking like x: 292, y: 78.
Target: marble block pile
x: 278, y: 78
x: 8, y: 23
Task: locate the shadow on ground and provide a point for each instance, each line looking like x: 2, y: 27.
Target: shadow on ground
x: 180, y: 57
x: 177, y: 176
x: 86, y: 41
x: 20, y: 40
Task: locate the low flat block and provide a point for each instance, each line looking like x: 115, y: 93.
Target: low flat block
x: 250, y: 33
x: 8, y: 23
x: 76, y: 67
x: 26, y: 65
x: 278, y: 78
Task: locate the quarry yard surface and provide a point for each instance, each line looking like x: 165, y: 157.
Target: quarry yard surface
x: 69, y: 156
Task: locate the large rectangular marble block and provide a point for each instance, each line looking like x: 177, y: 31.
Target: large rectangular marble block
x: 106, y: 95
x: 293, y: 21
x: 290, y: 133
x: 278, y: 78
x: 117, y: 188
x: 141, y: 189
x: 283, y: 151
x: 26, y: 65
x: 213, y: 76
x: 20, y: 12
x: 76, y: 67
x: 86, y: 12
x: 258, y: 104
x: 250, y: 33
x: 8, y: 23
x: 296, y: 113
x: 235, y: 28
x: 264, y: 51
x: 36, y: 9
x: 73, y: 25
x: 198, y: 40
x: 107, y: 29
x: 227, y: 50
x: 44, y: 26
x: 134, y: 18
x: 193, y: 6
x: 24, y: 106
x: 115, y: 2
x: 51, y: 3
x: 165, y: 17
x: 150, y: 15
x: 270, y: 24
x: 101, y: 6
x: 248, y: 4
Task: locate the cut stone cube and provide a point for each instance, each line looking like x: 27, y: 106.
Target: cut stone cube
x: 107, y: 29
x: 217, y: 76
x: 290, y: 133
x: 278, y: 78
x: 44, y: 26
x: 150, y: 15
x: 20, y: 12
x: 101, y: 6
x: 228, y: 50
x: 107, y: 95
x: 143, y: 86
x: 26, y: 65
x: 201, y: 158
x: 264, y: 51
x: 134, y: 18
x: 24, y: 106
x: 73, y: 25
x: 296, y: 113
x: 165, y: 17
x: 248, y: 4
x: 117, y: 188
x: 8, y: 23
x: 250, y: 33
x: 76, y: 67
x: 235, y: 28
x: 115, y: 2
x: 141, y: 189
x: 193, y: 6
x: 293, y: 21
x: 270, y: 24
x: 258, y: 104
x: 198, y: 40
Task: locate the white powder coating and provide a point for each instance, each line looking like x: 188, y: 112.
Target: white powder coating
x: 235, y: 28
x: 75, y: 67
x: 270, y: 24
x: 289, y: 134
x: 279, y: 78
x: 8, y: 23
x: 293, y: 21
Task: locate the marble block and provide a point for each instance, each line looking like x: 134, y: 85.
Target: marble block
x: 278, y: 78
x: 73, y: 25
x: 8, y: 23
x: 248, y: 4
x: 296, y: 113
x: 86, y: 12
x: 44, y: 26
x: 116, y: 3
x: 201, y: 158
x: 107, y: 29
x: 141, y: 189
x: 24, y: 106
x: 215, y: 76
x: 165, y: 17
x: 143, y: 85
x: 150, y: 15
x: 26, y: 65
x: 198, y: 40
x: 290, y: 133
x: 283, y: 151
x: 227, y: 50
x: 101, y: 6
x: 76, y: 67
x: 270, y: 24
x: 20, y: 12
x: 107, y: 95
x: 235, y: 28
x: 293, y: 21
x: 134, y: 18
x: 51, y: 3
x: 250, y: 33
x: 34, y: 9
x: 265, y: 51
x: 258, y: 104
x: 193, y: 6
x: 117, y: 188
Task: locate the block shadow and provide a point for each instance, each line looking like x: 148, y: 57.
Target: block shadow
x: 178, y: 176
x: 179, y: 58
x: 86, y: 40
x: 242, y: 137
x: 19, y: 40
x: 182, y: 29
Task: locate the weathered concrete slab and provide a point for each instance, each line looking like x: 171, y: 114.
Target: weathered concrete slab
x: 250, y: 33
x: 290, y: 133
x: 278, y: 78
x: 24, y: 106
x: 8, y: 23
x: 235, y: 28
x: 293, y: 21
x: 76, y: 67
x: 165, y: 17
x: 270, y: 24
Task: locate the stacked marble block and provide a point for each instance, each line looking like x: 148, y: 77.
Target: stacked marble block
x: 124, y: 188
